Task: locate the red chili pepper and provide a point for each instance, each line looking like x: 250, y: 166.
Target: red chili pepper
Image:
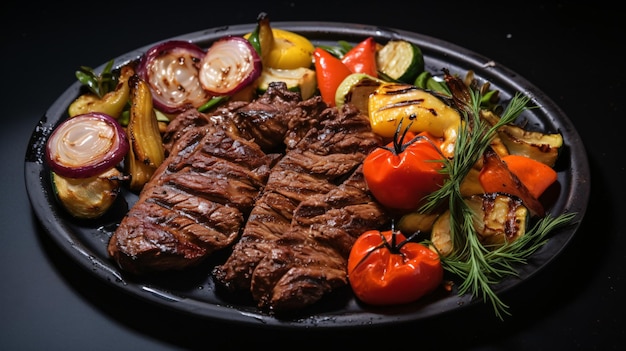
x: 330, y: 72
x: 362, y: 58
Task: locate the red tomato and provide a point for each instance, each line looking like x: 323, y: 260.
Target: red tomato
x: 400, y: 175
x: 384, y: 269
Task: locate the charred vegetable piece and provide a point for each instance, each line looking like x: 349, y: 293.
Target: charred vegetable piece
x: 146, y: 145
x: 171, y: 70
x: 498, y: 219
x: 495, y: 176
x: 262, y: 38
x: 356, y: 89
x: 86, y: 145
x: 112, y: 103
x: 88, y: 197
x: 392, y: 102
x: 543, y: 147
x: 230, y: 65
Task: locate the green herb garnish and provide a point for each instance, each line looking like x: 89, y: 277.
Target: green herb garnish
x: 99, y: 84
x: 478, y: 267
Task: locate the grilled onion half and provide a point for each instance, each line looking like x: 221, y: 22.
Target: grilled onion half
x: 86, y: 145
x: 171, y: 70
x: 230, y: 65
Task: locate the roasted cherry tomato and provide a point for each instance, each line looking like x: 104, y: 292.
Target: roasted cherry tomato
x: 384, y: 268
x: 400, y: 174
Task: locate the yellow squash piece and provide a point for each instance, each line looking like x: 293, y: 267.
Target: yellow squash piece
x: 393, y: 102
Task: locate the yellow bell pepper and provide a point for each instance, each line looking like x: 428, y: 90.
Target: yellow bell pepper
x: 392, y: 102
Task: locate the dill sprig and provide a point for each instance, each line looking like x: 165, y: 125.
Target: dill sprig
x: 480, y: 268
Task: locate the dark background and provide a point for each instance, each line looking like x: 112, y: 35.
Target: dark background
x: 570, y: 51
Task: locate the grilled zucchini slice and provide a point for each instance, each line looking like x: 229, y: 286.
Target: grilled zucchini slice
x: 400, y: 60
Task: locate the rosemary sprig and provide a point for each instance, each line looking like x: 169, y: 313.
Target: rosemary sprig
x: 480, y: 268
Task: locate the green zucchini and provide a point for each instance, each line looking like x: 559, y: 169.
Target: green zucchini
x: 300, y: 80
x: 356, y: 89
x: 400, y: 60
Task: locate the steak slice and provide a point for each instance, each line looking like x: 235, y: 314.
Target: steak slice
x: 195, y: 203
x: 282, y: 260
x: 310, y: 259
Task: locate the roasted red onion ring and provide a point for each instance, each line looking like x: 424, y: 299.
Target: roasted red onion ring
x: 229, y: 65
x: 86, y: 145
x: 171, y: 70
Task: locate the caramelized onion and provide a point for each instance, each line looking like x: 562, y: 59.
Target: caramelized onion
x: 171, y: 70
x: 86, y: 145
x: 229, y: 65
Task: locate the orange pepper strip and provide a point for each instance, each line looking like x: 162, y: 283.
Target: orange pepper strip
x: 495, y: 177
x: 330, y: 72
x: 535, y: 175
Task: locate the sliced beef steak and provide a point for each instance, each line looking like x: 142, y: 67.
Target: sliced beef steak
x: 198, y: 200
x: 295, y: 244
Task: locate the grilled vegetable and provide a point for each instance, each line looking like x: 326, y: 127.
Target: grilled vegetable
x: 171, y: 71
x: 400, y: 61
x: 330, y: 73
x: 392, y: 102
x: 300, y: 80
x: 385, y: 268
x: 111, y: 103
x: 262, y: 38
x: 536, y: 176
x: 86, y: 145
x: 146, y: 145
x: 401, y: 174
x: 496, y: 177
x: 543, y: 147
x: 425, y: 80
x: 229, y: 65
x: 88, y: 197
x: 497, y: 219
x: 362, y: 58
x: 356, y: 89
x: 290, y: 50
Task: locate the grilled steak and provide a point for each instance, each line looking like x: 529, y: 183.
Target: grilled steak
x: 295, y: 245
x: 197, y: 201
x: 278, y: 180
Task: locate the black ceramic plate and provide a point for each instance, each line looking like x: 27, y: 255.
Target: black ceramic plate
x: 193, y: 292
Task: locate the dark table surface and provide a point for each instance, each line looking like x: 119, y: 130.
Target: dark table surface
x: 571, y: 52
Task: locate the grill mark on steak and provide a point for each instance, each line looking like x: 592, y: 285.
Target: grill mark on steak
x: 295, y: 244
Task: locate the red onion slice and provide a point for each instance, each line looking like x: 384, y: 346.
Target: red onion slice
x: 229, y: 65
x: 171, y: 70
x: 86, y: 145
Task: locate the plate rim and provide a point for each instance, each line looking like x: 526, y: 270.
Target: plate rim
x: 34, y: 170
